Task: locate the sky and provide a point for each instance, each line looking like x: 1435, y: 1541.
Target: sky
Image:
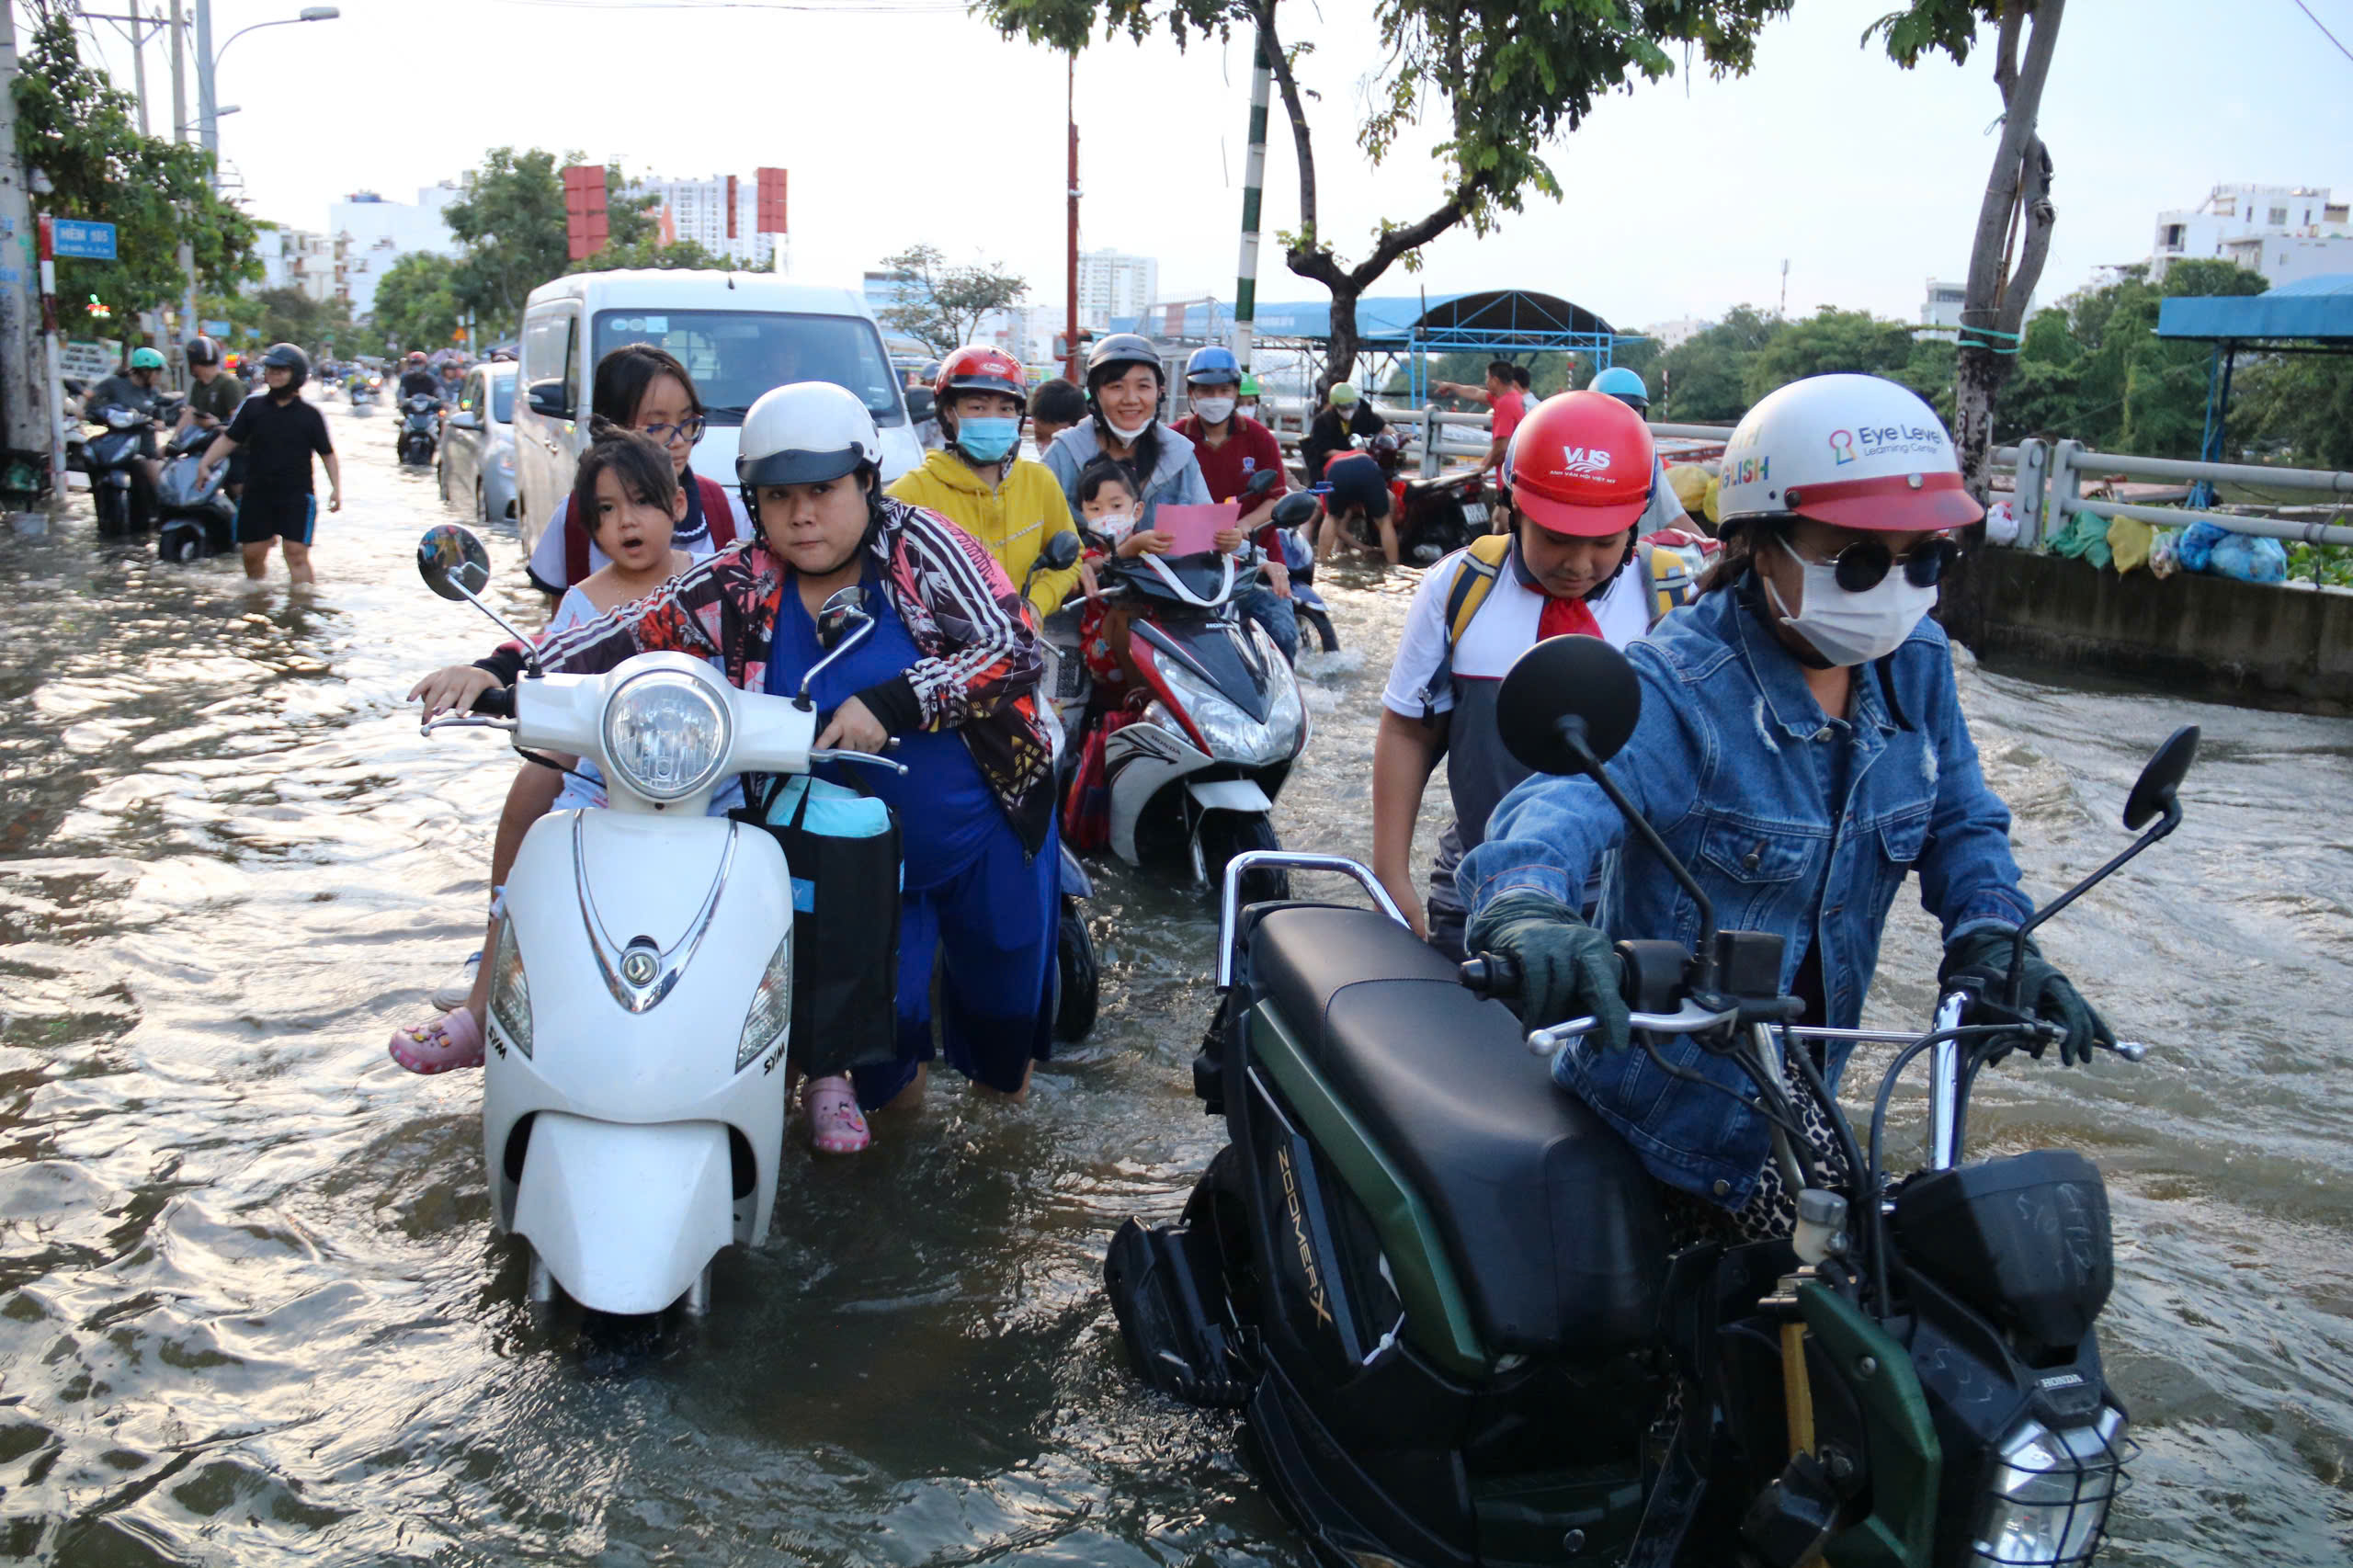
x: 908, y: 120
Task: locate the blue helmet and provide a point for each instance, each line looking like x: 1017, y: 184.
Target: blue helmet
x: 1212, y: 366
x: 1625, y: 385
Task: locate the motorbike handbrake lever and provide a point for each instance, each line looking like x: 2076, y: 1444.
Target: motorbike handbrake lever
x: 1687, y: 1019
x: 835, y: 754
x: 455, y: 722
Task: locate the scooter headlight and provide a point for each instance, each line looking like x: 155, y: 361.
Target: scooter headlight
x: 771, y: 1012
x: 1233, y: 735
x: 1285, y: 713
x: 121, y: 418
x: 2046, y: 1502
x: 665, y: 734
x: 510, y: 996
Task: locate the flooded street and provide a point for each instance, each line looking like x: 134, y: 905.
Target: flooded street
x: 251, y: 1311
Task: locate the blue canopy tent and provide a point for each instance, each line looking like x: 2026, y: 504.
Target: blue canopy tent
x: 1506, y: 323
x: 2313, y: 315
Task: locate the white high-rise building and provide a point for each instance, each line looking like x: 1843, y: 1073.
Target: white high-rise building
x: 2235, y: 221
x: 1112, y: 286
x: 371, y: 234
x: 1941, y: 310
x: 697, y: 211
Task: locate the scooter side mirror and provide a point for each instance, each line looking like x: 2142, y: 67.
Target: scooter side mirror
x: 452, y: 562
x: 1061, y: 552
x: 922, y: 405
x: 1295, y: 509
x: 1568, y: 704
x: 1260, y: 483
x: 2160, y: 781
x: 843, y: 611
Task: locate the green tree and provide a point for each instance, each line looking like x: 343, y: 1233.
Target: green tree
x: 74, y: 125
x: 1705, y: 376
x: 512, y: 224
x: 1830, y: 340
x: 417, y: 302
x: 2301, y: 404
x: 290, y: 315
x: 678, y: 256
x: 943, y: 310
x: 2016, y: 217
x: 1499, y: 77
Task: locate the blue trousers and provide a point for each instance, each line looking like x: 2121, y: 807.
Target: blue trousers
x: 1275, y: 613
x: 993, y: 926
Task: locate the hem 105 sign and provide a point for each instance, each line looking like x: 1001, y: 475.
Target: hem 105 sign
x: 81, y: 238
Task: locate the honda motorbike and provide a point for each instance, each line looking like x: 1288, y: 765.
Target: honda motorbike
x: 1445, y: 1296
x: 635, y: 1102
x: 119, y: 487
x: 1195, y: 778
x: 420, y: 429
x: 197, y: 516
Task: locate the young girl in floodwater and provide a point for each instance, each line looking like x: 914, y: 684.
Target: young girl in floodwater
x: 626, y: 490
x: 1107, y: 507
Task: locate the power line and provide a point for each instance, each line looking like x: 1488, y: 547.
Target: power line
x: 2307, y: 10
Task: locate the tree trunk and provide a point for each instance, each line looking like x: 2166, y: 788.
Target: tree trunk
x: 1341, y: 350
x: 2018, y: 191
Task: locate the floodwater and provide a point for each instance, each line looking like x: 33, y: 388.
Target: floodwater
x: 251, y: 1311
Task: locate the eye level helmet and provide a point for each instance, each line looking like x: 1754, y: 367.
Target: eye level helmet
x: 1854, y: 451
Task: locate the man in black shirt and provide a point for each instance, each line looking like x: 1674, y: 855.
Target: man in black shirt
x: 1346, y: 414
x: 283, y: 431
x: 417, y: 379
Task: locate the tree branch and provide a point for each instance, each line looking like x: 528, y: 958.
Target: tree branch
x: 2040, y: 219
x: 1304, y: 148
x: 1397, y: 242
x: 2024, y: 97
x: 2005, y: 47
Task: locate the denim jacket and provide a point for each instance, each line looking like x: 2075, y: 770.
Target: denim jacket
x: 1734, y: 763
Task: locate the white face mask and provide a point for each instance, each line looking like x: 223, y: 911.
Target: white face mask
x: 1214, y: 410
x: 1127, y: 437
x: 1852, y: 628
x: 1113, y: 526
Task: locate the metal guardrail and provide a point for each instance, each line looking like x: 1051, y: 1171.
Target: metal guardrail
x: 2051, y: 482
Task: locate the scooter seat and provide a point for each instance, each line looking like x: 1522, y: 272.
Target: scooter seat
x: 1554, y: 1229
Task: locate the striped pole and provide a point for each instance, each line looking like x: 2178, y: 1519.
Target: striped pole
x: 1253, y: 177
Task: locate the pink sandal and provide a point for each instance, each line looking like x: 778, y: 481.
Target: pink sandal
x: 835, y: 1126
x: 453, y: 1039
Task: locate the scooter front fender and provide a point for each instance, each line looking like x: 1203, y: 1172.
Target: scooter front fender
x: 625, y: 1217
x: 1230, y: 795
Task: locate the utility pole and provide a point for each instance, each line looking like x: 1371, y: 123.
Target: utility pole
x: 1253, y: 179
x: 179, y: 134
x: 208, y: 121
x: 1071, y: 366
x: 139, y: 66
x: 28, y: 415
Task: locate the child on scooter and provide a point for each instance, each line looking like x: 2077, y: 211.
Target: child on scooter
x: 1107, y: 506
x: 626, y: 490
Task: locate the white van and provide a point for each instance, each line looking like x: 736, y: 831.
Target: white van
x: 738, y: 334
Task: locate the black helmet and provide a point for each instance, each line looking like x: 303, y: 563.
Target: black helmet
x: 285, y: 355
x: 202, y: 350
x: 1120, y: 349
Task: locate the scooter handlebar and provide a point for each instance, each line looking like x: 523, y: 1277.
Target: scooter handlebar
x: 496, y: 702
x: 1491, y: 976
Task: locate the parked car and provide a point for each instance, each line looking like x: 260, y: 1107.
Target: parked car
x: 738, y: 334
x: 478, y: 445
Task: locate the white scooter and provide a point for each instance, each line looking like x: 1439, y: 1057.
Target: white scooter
x: 635, y: 1104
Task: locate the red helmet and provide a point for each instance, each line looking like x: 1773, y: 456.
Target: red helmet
x: 1581, y: 463
x: 981, y: 369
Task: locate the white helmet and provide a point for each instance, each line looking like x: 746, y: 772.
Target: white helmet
x: 1854, y: 451
x: 804, y: 434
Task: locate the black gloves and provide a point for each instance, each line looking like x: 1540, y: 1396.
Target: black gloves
x: 1566, y: 967
x: 1985, y: 953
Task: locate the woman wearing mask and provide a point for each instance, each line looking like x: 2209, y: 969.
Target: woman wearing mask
x: 981, y: 483
x: 642, y: 388
x: 1802, y: 750
x: 1123, y: 389
x: 950, y: 671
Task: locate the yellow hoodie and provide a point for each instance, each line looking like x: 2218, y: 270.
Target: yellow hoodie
x: 1014, y: 520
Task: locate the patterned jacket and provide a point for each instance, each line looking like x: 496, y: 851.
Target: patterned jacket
x: 978, y: 674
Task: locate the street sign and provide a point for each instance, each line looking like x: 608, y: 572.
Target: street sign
x: 216, y: 329
x: 80, y: 237
x: 88, y: 361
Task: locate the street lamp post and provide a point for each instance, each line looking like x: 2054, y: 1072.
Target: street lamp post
x: 207, y: 59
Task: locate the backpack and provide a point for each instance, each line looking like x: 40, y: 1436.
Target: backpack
x: 1667, y: 580
x: 716, y: 513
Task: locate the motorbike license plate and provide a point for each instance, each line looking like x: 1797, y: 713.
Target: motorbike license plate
x: 1475, y: 513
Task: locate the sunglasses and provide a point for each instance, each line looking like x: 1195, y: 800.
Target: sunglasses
x: 690, y: 431
x: 1864, y: 564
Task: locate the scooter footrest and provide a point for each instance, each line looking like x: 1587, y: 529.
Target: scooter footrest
x: 1157, y: 1298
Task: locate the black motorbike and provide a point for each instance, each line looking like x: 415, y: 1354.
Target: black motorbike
x: 119, y: 487
x: 1292, y: 514
x: 199, y: 517
x: 420, y: 430
x: 1443, y: 1291
x: 1436, y: 515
